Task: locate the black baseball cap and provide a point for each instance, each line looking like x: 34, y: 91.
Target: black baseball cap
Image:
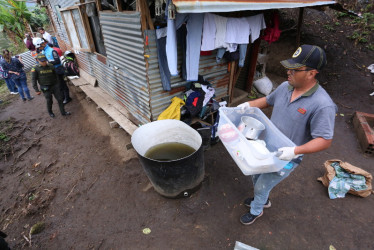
x: 306, y: 55
x: 41, y: 57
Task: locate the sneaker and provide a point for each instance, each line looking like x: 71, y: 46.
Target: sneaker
x: 31, y: 97
x: 248, y: 201
x: 14, y: 93
x: 67, y: 100
x: 51, y: 115
x: 66, y: 113
x: 24, y: 99
x: 248, y: 218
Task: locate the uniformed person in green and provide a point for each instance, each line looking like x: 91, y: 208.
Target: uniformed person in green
x: 45, y: 74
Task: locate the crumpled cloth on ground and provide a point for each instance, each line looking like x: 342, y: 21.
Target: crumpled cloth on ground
x: 344, y: 181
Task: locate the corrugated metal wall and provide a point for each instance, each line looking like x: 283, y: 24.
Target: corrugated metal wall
x: 28, y: 60
x: 124, y: 45
x: 216, y: 74
x: 124, y: 76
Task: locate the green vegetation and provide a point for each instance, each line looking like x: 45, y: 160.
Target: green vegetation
x: 363, y: 26
x: 5, y: 136
x: 329, y: 27
x: 16, y: 20
x: 4, y: 94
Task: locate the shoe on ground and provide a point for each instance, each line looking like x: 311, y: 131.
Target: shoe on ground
x: 66, y: 113
x: 248, y: 218
x: 24, y: 99
x: 51, y: 115
x: 67, y: 100
x: 14, y: 93
x: 31, y: 97
x: 248, y: 201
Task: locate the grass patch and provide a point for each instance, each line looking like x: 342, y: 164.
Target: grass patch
x: 5, y: 137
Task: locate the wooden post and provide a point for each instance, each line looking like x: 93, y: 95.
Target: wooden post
x: 232, y: 78
x: 252, y: 66
x: 299, y: 24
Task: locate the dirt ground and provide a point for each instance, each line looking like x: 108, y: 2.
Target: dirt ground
x: 75, y: 175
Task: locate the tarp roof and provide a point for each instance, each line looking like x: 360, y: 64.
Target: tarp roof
x: 193, y: 6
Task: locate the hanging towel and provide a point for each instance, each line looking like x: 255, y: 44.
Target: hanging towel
x: 173, y: 111
x: 256, y: 23
x: 344, y: 181
x: 220, y: 32
x: 209, y: 33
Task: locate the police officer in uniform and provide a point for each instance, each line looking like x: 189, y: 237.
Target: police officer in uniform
x: 53, y: 58
x: 45, y: 74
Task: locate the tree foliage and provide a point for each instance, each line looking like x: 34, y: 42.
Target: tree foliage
x: 15, y: 17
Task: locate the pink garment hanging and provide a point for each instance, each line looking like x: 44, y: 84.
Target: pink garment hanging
x: 272, y: 32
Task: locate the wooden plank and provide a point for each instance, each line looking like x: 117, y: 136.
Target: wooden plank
x: 107, y: 103
x: 98, y: 5
x: 148, y: 15
x: 79, y: 82
x: 88, y: 78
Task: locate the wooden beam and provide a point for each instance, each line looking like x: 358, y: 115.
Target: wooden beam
x: 252, y: 66
x: 299, y: 24
x: 232, y: 78
x: 108, y: 104
x: 98, y: 5
x: 119, y: 5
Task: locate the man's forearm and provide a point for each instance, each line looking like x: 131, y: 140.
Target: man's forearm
x: 259, y: 103
x: 313, y: 146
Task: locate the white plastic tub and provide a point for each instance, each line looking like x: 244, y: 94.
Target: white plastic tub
x: 246, y: 155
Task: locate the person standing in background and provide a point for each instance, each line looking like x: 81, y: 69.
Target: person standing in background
x: 30, y: 45
x: 14, y: 68
x: 54, y: 59
x: 9, y: 83
x: 46, y: 35
x: 45, y: 75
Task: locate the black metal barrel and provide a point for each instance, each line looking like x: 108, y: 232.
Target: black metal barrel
x: 175, y: 178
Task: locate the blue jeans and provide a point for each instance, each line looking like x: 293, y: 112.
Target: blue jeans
x: 193, y: 43
x: 21, y: 84
x: 264, y: 183
x: 10, y: 84
x: 242, y: 54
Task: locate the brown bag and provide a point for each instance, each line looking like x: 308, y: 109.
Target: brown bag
x: 330, y: 174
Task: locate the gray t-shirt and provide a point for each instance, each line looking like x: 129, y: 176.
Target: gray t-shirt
x: 309, y: 116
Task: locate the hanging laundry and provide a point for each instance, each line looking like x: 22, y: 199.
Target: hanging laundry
x: 193, y: 43
x: 256, y: 23
x: 220, y: 38
x: 162, y: 58
x: 209, y: 33
x: 237, y: 31
x: 171, y: 47
x: 272, y: 32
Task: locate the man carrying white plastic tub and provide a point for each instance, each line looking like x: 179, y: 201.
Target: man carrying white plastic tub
x: 304, y: 112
